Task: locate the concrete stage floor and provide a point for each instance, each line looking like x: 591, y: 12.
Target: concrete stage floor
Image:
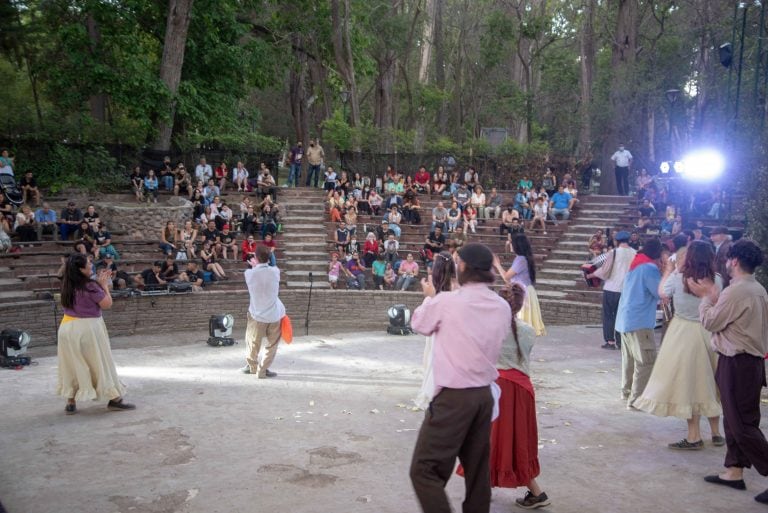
x: 332, y: 433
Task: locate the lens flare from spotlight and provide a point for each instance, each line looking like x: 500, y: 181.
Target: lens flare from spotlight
x: 703, y: 165
x: 679, y: 167
x: 664, y: 168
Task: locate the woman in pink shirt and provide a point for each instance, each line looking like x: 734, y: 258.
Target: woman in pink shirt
x: 408, y: 272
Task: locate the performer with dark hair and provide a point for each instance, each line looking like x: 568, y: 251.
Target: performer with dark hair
x: 86, y: 368
x: 737, y: 317
x: 466, y: 349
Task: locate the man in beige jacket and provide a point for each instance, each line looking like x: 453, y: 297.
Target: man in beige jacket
x: 315, y: 156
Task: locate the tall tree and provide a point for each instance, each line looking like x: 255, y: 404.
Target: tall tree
x: 587, y: 68
x: 174, y: 46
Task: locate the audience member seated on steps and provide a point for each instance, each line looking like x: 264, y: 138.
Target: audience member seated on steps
x: 646, y: 213
x: 440, y: 181
x: 193, y: 275
x: 477, y: 200
x: 334, y: 270
x: 363, y: 203
x: 462, y: 196
x: 390, y: 277
x: 453, y: 218
x: 210, y: 192
x: 421, y: 180
x: 470, y: 218
x: 379, y: 270
x: 137, y: 183
x: 28, y: 186
x: 434, y: 243
x: 343, y: 184
x: 395, y: 218
x: 248, y: 249
x: 120, y: 279
x: 220, y: 176
x: 45, y: 218
x: 187, y: 237
x: 393, y: 200
x: 85, y: 236
x: 355, y: 272
x: 228, y: 243
x: 522, y: 205
x: 183, y: 183
x: 151, y: 186
x: 516, y: 229
x: 458, y: 237
x: 391, y: 247
x: 151, y: 279
x: 92, y: 217
x: 165, y: 177
x: 335, y: 206
x: 208, y: 257
x: 408, y: 273
x: 269, y: 242
x: 341, y: 237
x: 596, y: 244
x: 249, y: 221
x: 439, y: 216
x: 69, y: 220
x: 375, y: 200
x: 540, y: 215
x: 24, y: 224
x: 329, y: 183
x: 412, y: 209
x: 169, y: 243
x: 370, y: 249
x: 350, y: 217
x: 169, y: 271
x: 506, y: 220
x: 265, y: 182
x: 102, y: 243
x: 268, y: 222
x: 471, y: 179
x: 560, y: 204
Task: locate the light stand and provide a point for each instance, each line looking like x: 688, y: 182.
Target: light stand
x: 309, y: 303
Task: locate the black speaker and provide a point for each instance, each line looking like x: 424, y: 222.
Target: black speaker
x: 726, y: 54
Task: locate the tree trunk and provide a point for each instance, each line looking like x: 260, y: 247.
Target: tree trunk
x: 174, y: 45
x: 427, y: 40
x: 587, y: 66
x: 442, y: 113
x: 623, y: 57
x: 342, y: 52
x: 297, y: 91
x: 97, y: 102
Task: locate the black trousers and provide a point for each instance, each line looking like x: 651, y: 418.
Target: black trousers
x: 610, y: 308
x: 456, y: 424
x: 622, y: 180
x: 740, y: 379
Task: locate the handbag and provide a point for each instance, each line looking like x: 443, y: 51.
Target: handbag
x: 286, y: 329
x: 181, y: 255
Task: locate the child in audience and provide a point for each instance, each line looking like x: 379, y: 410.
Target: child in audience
x: 389, y: 277
x: 334, y: 269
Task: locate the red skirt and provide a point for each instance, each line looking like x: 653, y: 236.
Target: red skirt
x: 514, y: 435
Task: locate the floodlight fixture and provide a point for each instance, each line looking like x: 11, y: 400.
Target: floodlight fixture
x: 399, y: 320
x: 220, y: 330
x: 703, y: 165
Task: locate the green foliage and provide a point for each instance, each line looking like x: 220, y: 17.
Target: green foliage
x: 86, y: 168
x: 757, y: 206
x: 442, y: 145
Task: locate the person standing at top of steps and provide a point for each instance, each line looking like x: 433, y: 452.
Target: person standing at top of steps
x: 315, y: 157
x: 623, y: 159
x: 612, y: 272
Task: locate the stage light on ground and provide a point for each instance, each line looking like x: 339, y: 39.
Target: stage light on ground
x: 220, y: 330
x: 13, y: 348
x: 703, y: 165
x: 664, y: 167
x: 399, y: 320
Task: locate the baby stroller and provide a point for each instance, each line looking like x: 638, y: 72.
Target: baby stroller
x: 11, y: 190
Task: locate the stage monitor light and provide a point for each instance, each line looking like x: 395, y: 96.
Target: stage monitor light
x: 703, y: 165
x: 13, y: 348
x: 679, y: 167
x: 220, y: 330
x: 399, y: 320
x: 664, y: 167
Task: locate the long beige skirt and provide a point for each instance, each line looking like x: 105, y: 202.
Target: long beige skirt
x: 86, y: 368
x: 682, y: 383
x: 531, y: 311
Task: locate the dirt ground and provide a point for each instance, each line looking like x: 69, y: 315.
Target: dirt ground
x: 332, y: 433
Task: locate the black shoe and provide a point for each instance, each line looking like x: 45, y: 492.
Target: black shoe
x: 120, y: 406
x: 70, y: 409
x: 685, y: 445
x: 609, y: 346
x: 531, y: 501
x: 737, y: 484
x: 718, y: 441
x: 762, y: 497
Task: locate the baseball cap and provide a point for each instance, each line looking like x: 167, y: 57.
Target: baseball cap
x: 622, y: 236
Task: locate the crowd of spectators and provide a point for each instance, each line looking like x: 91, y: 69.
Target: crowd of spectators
x: 394, y: 201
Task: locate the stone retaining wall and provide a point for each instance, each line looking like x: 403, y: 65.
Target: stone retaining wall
x: 331, y: 311
x: 144, y: 220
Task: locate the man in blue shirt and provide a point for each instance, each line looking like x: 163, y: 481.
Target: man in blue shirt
x: 560, y: 203
x: 46, y: 221
x: 636, y: 319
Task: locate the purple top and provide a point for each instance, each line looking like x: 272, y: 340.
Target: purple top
x: 87, y: 301
x: 522, y: 276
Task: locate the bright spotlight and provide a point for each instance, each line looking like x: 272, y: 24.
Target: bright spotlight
x: 703, y: 165
x: 399, y: 320
x: 220, y: 330
x: 13, y: 348
x: 679, y: 167
x: 664, y: 167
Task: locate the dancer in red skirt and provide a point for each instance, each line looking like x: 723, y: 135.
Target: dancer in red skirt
x: 514, y: 435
